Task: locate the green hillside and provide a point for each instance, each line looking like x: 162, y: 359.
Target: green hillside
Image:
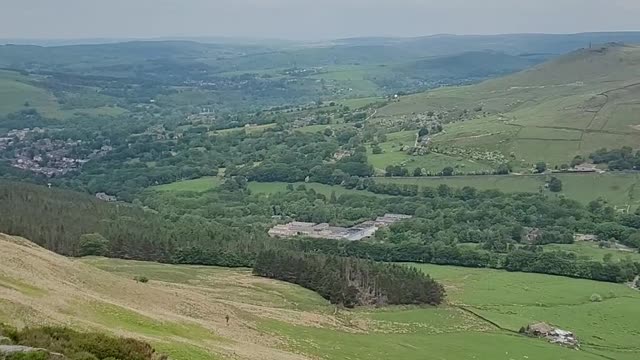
x: 20, y: 92
x: 569, y: 106
x: 181, y: 311
x: 469, y: 65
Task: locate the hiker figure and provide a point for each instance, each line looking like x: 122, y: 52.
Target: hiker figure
x: 227, y: 318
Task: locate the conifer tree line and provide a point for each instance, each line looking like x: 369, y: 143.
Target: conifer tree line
x: 350, y: 281
x: 229, y: 228
x: 75, y: 224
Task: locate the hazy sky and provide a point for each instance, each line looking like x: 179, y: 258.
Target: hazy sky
x: 308, y: 19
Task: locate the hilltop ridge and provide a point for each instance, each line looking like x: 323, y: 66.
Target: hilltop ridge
x: 569, y: 106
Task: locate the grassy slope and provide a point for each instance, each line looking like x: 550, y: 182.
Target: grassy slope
x: 183, y: 315
x: 569, y: 106
x: 181, y: 311
x: 17, y: 89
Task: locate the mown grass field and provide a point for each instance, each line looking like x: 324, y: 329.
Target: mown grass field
x: 197, y: 185
x: 249, y: 129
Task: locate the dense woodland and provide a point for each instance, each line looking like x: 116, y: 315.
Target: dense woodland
x: 617, y: 159
x: 228, y: 226
x: 349, y: 281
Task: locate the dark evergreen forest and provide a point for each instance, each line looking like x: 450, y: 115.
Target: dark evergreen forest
x: 349, y: 281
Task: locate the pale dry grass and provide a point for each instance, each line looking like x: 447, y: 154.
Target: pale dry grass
x: 39, y: 287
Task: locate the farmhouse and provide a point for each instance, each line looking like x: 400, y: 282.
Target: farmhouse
x: 553, y: 335
x: 326, y: 231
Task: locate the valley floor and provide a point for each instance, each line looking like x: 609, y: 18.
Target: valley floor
x: 182, y: 311
x: 620, y: 189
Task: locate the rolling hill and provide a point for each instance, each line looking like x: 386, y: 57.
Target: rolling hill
x: 181, y: 311
x: 21, y: 91
x: 572, y: 105
x: 468, y: 66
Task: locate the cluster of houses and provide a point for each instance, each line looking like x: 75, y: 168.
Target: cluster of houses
x: 28, y: 149
x: 326, y: 231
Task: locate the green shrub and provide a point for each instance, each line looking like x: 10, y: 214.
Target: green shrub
x: 83, y: 356
x: 29, y: 356
x: 596, y: 298
x: 141, y: 279
x: 93, y: 245
x: 78, y: 346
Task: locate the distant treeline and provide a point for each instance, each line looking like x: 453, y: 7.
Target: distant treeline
x: 350, y: 281
x: 525, y: 259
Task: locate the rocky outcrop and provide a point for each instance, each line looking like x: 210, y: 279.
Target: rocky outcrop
x: 7, y: 350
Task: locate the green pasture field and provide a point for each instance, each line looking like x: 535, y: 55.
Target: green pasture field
x: 563, y: 108
x: 591, y: 250
x: 619, y: 189
x: 456, y: 331
x: 197, y: 185
x: 394, y: 153
x: 17, y: 91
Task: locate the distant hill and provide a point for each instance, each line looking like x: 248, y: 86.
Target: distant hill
x: 468, y: 66
x: 248, y: 55
x: 98, y: 78
x: 571, y: 105
x: 513, y: 44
